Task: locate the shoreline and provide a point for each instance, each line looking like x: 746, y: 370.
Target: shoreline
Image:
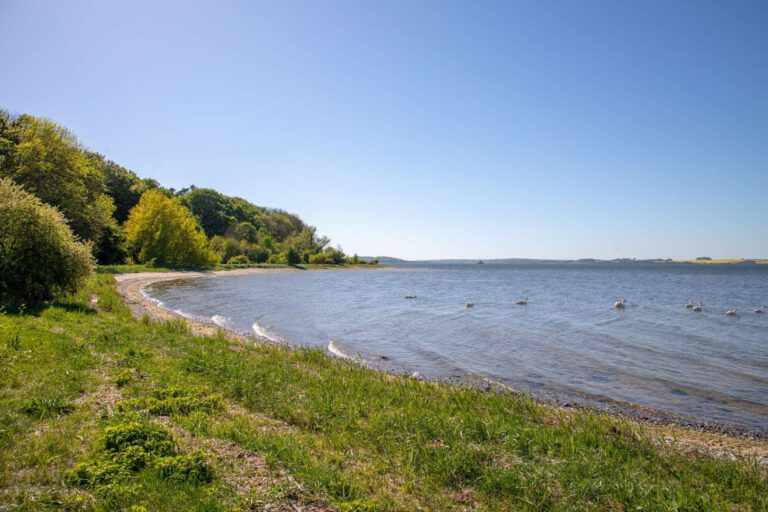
x: 685, y: 434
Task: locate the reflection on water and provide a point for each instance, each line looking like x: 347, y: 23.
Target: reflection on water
x: 568, y: 340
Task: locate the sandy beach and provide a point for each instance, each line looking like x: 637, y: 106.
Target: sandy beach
x: 130, y: 287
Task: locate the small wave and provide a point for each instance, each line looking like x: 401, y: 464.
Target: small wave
x: 335, y: 350
x: 187, y: 315
x: 262, y: 332
x: 149, y: 298
x: 221, y: 321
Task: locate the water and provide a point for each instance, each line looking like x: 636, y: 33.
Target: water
x: 568, y: 341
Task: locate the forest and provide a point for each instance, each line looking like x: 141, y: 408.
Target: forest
x: 125, y: 218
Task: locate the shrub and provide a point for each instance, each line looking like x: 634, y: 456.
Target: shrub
x: 123, y: 378
x: 320, y: 259
x: 256, y: 254
x: 95, y: 472
x: 185, y: 468
x: 240, y: 259
x: 40, y: 257
x: 164, y: 402
x: 151, y: 438
x: 49, y: 162
x: 290, y: 256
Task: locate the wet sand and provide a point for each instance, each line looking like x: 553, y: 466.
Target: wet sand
x: 686, y: 435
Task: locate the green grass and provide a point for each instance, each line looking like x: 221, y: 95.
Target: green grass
x: 350, y: 438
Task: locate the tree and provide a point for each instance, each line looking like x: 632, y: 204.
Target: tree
x: 335, y: 256
x: 211, y: 208
x: 123, y: 186
x: 40, y: 257
x: 290, y: 256
x: 246, y: 231
x: 9, y: 137
x: 159, y: 228
x: 48, y: 161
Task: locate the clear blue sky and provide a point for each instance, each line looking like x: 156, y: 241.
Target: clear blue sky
x: 427, y: 129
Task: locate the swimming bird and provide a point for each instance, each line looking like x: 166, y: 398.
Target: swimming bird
x: 697, y: 308
x: 731, y: 312
x: 410, y: 296
x: 469, y: 304
x: 690, y: 304
x: 761, y: 309
x: 522, y: 302
x: 620, y: 304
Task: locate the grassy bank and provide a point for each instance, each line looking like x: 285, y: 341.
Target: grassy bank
x: 99, y: 411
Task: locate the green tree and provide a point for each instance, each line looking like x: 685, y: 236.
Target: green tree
x: 110, y: 248
x: 335, y: 256
x: 290, y: 256
x: 48, y: 161
x: 212, y: 210
x: 9, y: 137
x: 40, y: 257
x: 123, y: 186
x: 246, y: 231
x: 160, y: 228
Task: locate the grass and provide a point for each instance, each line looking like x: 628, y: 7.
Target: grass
x: 99, y: 411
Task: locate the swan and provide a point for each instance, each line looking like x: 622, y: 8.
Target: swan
x: 690, y: 304
x: 522, y: 302
x: 620, y: 304
x: 697, y: 308
x: 761, y: 309
x: 731, y: 312
x: 469, y: 304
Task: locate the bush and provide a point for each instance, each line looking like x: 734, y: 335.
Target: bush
x: 164, y: 402
x: 40, y: 258
x: 191, y: 467
x: 320, y: 259
x: 240, y: 259
x: 290, y: 256
x: 330, y: 257
x: 256, y: 254
x: 150, y: 437
x: 123, y: 378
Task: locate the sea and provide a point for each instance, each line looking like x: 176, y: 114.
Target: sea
x: 568, y: 343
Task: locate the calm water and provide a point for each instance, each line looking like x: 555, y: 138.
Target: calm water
x: 568, y: 341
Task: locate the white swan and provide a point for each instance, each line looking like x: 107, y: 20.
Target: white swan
x: 731, y: 312
x: 761, y: 309
x: 690, y: 304
x: 697, y: 308
x: 522, y: 302
x: 620, y: 304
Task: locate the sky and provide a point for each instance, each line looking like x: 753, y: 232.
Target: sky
x: 427, y: 129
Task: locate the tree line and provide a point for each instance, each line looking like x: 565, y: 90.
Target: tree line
x: 126, y: 218
x: 110, y: 215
